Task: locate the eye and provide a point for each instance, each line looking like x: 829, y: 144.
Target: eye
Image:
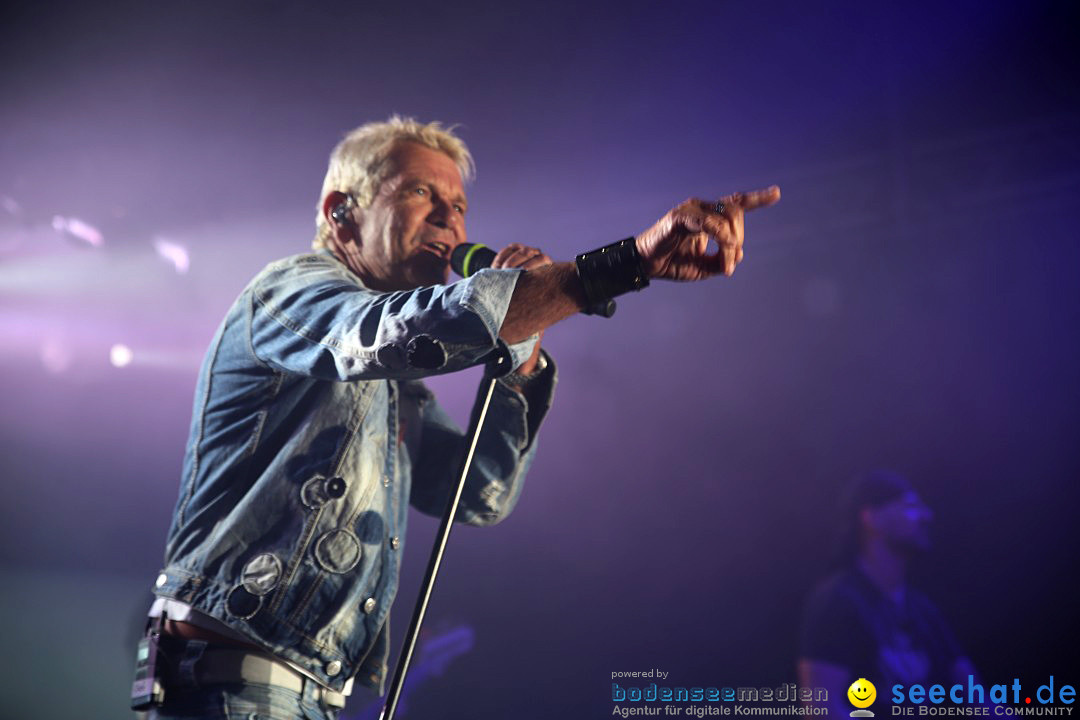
x: 421, y: 191
x: 459, y: 209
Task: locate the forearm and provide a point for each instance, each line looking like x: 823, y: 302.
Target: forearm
x: 529, y: 366
x: 308, y: 316
x: 503, y: 453
x: 542, y: 297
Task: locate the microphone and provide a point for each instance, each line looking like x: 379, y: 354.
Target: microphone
x: 469, y: 258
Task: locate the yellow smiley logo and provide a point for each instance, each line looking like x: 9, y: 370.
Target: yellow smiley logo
x: 862, y: 693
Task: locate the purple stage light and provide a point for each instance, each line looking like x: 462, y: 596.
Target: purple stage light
x: 174, y: 253
x: 79, y: 230
x: 120, y: 355
x: 55, y: 355
x: 10, y: 205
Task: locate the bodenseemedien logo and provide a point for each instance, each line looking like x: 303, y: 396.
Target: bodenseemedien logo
x: 862, y: 694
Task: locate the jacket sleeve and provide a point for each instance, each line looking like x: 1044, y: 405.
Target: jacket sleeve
x: 311, y: 316
x: 503, y: 454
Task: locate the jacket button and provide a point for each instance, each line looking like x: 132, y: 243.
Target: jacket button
x: 395, y: 542
x: 335, y: 487
x: 333, y: 668
x: 161, y: 580
x: 369, y: 605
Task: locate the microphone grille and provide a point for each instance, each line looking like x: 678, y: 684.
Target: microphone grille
x: 468, y: 258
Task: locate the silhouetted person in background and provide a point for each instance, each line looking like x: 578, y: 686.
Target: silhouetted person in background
x: 865, y: 620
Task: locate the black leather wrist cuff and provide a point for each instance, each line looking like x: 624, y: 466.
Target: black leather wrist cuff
x: 611, y: 271
x: 516, y: 378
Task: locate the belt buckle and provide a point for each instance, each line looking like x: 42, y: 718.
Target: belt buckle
x: 325, y: 696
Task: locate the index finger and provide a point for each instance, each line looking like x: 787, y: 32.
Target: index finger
x: 759, y: 198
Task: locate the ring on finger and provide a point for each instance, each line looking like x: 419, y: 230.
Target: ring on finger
x: 720, y: 207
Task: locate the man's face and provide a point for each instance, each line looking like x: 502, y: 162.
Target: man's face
x: 905, y: 522
x: 414, y: 222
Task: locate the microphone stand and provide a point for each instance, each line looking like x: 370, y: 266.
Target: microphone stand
x: 492, y: 372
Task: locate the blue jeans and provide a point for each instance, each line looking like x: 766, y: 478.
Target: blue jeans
x: 241, y: 702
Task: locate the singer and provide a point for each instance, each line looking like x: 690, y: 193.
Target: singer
x: 312, y: 431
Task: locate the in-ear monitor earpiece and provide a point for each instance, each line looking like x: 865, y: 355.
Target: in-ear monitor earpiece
x: 340, y: 213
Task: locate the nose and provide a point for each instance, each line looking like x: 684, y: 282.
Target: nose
x: 443, y: 215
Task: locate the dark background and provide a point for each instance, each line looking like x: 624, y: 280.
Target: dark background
x: 911, y: 303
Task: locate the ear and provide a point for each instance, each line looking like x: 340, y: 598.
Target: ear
x: 345, y: 232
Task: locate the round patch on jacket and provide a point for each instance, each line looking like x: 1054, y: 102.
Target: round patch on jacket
x: 242, y: 604
x: 338, y: 551
x: 370, y: 527
x: 312, y: 493
x: 318, y: 491
x: 425, y: 352
x: 261, y: 574
x: 390, y: 356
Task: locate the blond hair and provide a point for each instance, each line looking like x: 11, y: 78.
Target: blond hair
x: 358, y: 164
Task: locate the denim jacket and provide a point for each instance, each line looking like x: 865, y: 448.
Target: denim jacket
x: 311, y: 433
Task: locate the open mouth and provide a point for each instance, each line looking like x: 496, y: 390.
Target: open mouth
x: 435, y: 247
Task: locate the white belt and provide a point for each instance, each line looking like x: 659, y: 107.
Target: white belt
x: 224, y: 665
